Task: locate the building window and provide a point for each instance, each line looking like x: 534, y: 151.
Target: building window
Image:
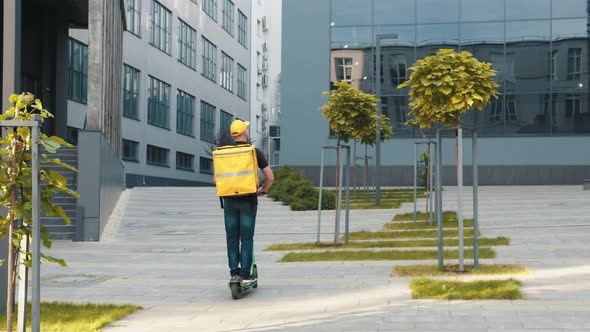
x: 185, y: 113
x: 134, y: 17
x: 397, y: 69
x: 130, y: 150
x: 343, y: 69
x: 185, y: 161
x: 157, y: 156
x: 572, y: 105
x: 258, y: 123
x: 574, y: 64
x: 242, y: 29
x: 207, y: 122
x: 553, y: 66
x: 225, y: 120
x: 227, y: 72
x: 161, y: 25
x: 210, y: 8
x: 78, y: 71
x: 130, y: 92
x: 205, y: 165
x: 187, y: 44
x: 209, y: 59
x: 159, y: 103
x: 242, y: 79
x: 228, y: 16
x: 503, y: 108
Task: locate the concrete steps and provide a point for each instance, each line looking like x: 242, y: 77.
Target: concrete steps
x: 56, y: 225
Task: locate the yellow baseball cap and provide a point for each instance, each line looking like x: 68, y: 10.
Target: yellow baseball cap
x: 238, y: 127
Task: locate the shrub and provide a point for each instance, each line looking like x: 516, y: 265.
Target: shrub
x: 293, y: 189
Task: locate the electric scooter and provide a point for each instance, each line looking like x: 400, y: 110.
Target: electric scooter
x: 240, y: 288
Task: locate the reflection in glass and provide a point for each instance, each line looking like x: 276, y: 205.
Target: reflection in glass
x: 527, y: 9
x: 438, y: 11
x: 394, y: 12
x: 351, y: 12
x: 529, y: 55
x: 569, y: 28
x: 569, y: 8
x: 482, y: 33
x: 352, y: 37
x: 572, y: 113
x: 438, y: 34
x: 540, y: 55
x: 482, y: 10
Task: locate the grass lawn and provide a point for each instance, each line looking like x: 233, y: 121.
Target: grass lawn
x: 70, y: 317
x: 423, y: 288
x: 498, y: 241
x: 366, y: 235
x: 447, y: 215
x: 452, y: 223
x: 433, y: 270
x: 371, y: 205
x: 347, y: 255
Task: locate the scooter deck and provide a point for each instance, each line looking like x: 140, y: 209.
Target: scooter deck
x: 239, y: 288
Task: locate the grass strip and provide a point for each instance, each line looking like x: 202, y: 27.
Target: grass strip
x: 365, y: 235
x: 72, y: 317
x: 447, y: 215
x: 453, y: 270
x: 424, y: 288
x: 498, y: 241
x: 349, y: 255
x: 454, y: 223
x: 372, y: 206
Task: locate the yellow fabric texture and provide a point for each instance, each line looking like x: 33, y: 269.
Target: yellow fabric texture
x: 236, y: 170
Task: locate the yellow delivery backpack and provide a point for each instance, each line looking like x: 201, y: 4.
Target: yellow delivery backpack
x: 236, y: 170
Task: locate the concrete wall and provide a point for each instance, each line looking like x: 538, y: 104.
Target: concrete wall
x: 101, y: 184
x: 105, y: 64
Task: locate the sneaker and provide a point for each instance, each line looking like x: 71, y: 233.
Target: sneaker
x: 236, y: 278
x: 247, y: 279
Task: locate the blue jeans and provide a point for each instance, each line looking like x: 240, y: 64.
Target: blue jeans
x: 240, y: 218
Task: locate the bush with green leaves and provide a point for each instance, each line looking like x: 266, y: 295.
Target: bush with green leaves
x: 291, y: 188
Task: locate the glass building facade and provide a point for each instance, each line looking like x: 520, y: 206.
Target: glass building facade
x: 539, y: 49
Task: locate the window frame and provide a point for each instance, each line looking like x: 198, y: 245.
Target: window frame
x: 135, y: 86
x: 226, y: 76
x: 242, y: 82
x: 133, y: 13
x: 207, y: 122
x: 157, y: 149
x: 185, y: 113
x: 228, y: 16
x: 183, y: 157
x: 242, y: 29
x: 159, y: 29
x: 187, y: 49
x: 163, y: 90
x: 209, y: 59
x: 77, y: 68
x: 136, y: 147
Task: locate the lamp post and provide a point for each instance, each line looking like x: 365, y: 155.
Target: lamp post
x: 379, y: 38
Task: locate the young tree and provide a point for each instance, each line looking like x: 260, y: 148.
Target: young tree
x: 350, y: 112
x: 369, y: 137
x: 446, y: 85
x: 16, y: 180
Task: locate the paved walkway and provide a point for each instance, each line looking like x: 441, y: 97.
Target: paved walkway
x: 169, y: 256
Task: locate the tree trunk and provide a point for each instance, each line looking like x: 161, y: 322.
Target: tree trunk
x: 428, y: 184
x: 337, y: 205
x: 365, y: 175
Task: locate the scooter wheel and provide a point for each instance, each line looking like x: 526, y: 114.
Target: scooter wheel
x: 255, y: 275
x: 235, y: 290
